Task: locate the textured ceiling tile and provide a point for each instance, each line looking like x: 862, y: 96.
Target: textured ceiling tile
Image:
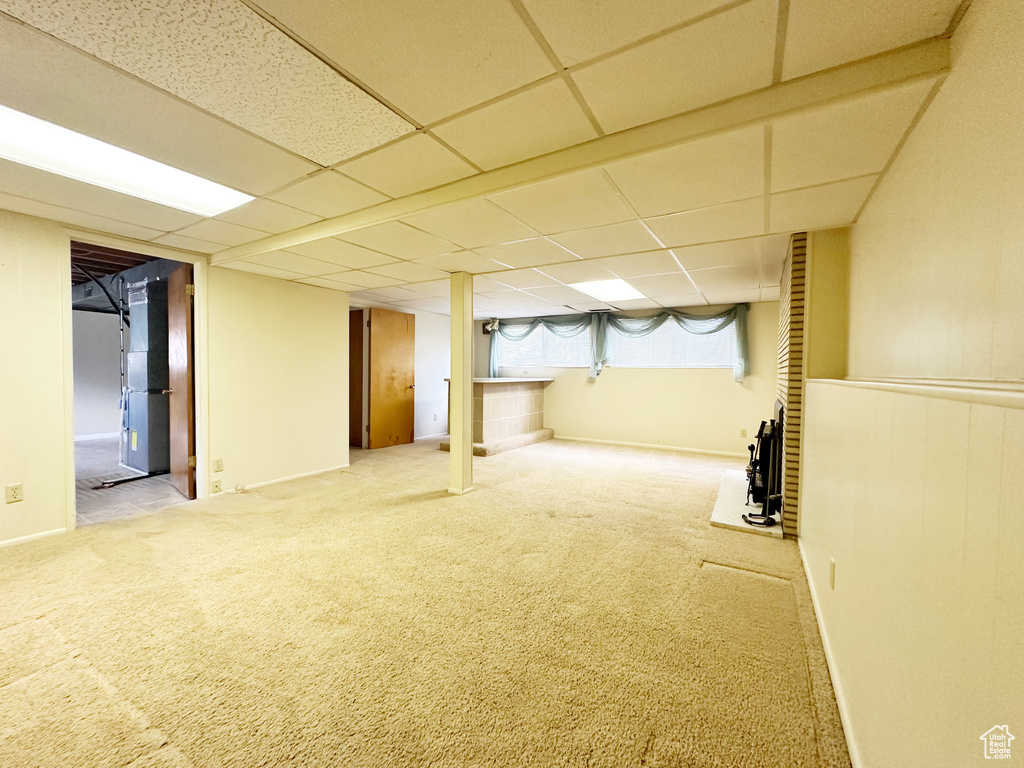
x: 524, y: 278
x: 435, y: 288
x: 472, y: 223
x: 341, y: 253
x: 721, y: 169
x: 611, y: 240
x: 581, y: 29
x: 54, y: 82
x: 577, y: 272
x: 189, y: 244
x: 642, y: 264
x: 409, y: 272
x: 413, y: 164
x: 732, y: 253
x: 823, y: 35
x: 323, y: 282
x: 732, y: 296
x: 221, y: 232
x: 635, y: 304
x: 677, y: 284
x: 527, y: 253
x: 268, y: 216
x: 328, y: 194
x: 533, y: 122
x: 429, y: 59
x: 259, y: 269
x: 852, y: 138
x: 293, y: 262
x: 401, y: 240
x: 560, y: 294
x: 76, y: 218
x: 705, y: 225
x: 462, y: 261
x: 577, y: 201
x: 219, y: 55
x: 830, y: 205
x: 694, y: 299
x: 368, y: 279
x: 724, y: 56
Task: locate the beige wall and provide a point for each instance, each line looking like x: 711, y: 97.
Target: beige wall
x: 914, y: 491
x: 693, y: 408
x: 35, y: 375
x: 278, y: 356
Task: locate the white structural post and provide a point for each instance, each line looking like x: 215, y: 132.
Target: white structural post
x: 460, y: 419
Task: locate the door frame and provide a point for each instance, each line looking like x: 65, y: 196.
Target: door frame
x: 200, y: 355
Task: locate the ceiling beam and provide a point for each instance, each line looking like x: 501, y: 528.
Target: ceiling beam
x: 925, y: 60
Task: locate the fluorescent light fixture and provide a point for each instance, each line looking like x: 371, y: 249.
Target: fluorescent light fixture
x: 31, y: 141
x: 608, y: 290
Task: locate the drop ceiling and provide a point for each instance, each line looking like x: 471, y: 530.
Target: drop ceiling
x: 337, y: 115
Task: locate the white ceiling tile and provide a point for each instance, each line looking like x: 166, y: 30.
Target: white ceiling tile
x: 436, y: 306
x: 23, y: 181
x: 576, y: 201
x: 397, y: 239
x: 368, y: 279
x: 328, y: 194
x: 189, y: 244
x: 341, y: 253
x: 435, y: 288
x: 409, y: 165
x: 530, y: 123
x: 229, y: 61
x: 724, y: 56
x: 431, y: 59
x: 720, y: 222
x: 822, y: 35
x: 394, y: 293
x: 259, y: 269
x: 610, y: 240
x: 731, y: 253
x: 721, y: 169
x: 268, y: 216
x: 830, y: 205
x: 527, y: 253
x: 739, y: 296
x: 774, y: 249
x: 293, y: 262
x: 635, y: 304
x: 517, y: 299
x: 58, y: 83
x: 677, y: 284
x: 642, y: 264
x: 852, y: 138
x: 482, y: 284
x: 579, y: 30
x: 75, y: 218
x: 770, y: 293
x: 683, y: 300
x: 524, y: 278
x: 472, y: 223
x: 221, y: 232
x: 589, y: 306
x: 408, y: 272
x: 461, y: 261
x: 560, y: 294
x: 321, y: 282
x: 578, y: 272
x: 747, y: 277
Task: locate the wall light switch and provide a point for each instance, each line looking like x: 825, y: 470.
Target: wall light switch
x: 743, y: 433
x: 218, y: 465
x: 832, y: 572
x: 13, y: 493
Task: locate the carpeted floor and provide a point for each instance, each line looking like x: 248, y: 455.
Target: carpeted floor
x: 577, y: 609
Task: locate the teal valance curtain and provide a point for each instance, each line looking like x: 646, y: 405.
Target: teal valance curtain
x: 567, y: 326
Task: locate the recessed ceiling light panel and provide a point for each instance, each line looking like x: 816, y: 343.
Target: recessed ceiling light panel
x: 608, y: 290
x: 30, y: 141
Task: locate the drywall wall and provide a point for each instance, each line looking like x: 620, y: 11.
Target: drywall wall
x: 433, y: 360
x: 35, y: 375
x: 278, y: 377
x: 827, y: 306
x: 692, y: 408
x: 97, y: 346
x: 913, y: 489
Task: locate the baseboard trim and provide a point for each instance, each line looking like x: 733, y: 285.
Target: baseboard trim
x: 837, y: 686
x: 456, y: 492
x: 33, y: 537
x: 430, y: 437
x: 674, y: 448
x: 299, y: 476
x: 97, y: 436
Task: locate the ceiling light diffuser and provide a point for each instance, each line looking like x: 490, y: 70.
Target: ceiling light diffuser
x: 49, y: 147
x: 608, y: 290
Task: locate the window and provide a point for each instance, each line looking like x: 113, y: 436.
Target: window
x: 672, y: 347
x: 542, y: 349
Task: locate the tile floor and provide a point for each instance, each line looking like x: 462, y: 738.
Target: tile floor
x: 97, y: 461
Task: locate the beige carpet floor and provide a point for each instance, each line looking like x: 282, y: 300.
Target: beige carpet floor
x: 577, y: 609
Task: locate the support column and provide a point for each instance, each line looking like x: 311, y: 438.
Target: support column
x: 460, y: 419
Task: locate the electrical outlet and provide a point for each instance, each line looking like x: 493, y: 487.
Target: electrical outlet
x: 13, y: 493
x: 435, y: 417
x: 743, y: 433
x: 832, y: 572
x: 218, y: 465
x: 215, y: 486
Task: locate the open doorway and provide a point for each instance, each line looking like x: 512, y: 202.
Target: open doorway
x: 132, y: 321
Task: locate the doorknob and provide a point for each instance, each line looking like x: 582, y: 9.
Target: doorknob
x: 412, y: 386
x: 167, y: 392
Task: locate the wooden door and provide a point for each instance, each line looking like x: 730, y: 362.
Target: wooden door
x: 180, y: 358
x: 355, y: 378
x: 392, y: 377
